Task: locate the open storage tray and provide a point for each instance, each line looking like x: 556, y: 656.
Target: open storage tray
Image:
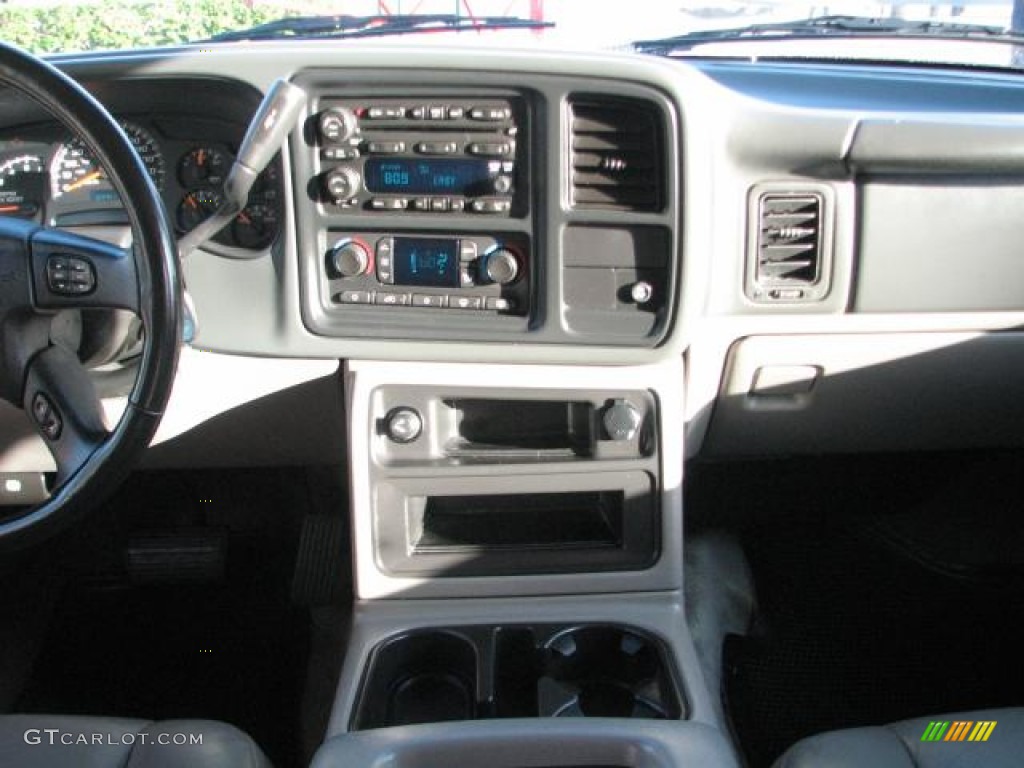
x: 516, y: 671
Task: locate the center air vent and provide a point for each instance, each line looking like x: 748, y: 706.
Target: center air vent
x: 617, y: 155
x: 788, y: 258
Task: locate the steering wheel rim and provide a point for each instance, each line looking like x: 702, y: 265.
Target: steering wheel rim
x: 158, y: 306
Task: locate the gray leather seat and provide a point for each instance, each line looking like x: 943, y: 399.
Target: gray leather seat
x: 59, y: 741
x: 900, y: 745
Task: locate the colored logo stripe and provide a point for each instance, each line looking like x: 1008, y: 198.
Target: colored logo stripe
x: 958, y: 730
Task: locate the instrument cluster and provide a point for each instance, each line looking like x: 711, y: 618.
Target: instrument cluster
x: 54, y: 179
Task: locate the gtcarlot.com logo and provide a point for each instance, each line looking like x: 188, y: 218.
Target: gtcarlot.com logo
x: 56, y: 737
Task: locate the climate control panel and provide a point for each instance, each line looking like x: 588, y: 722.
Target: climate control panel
x: 429, y: 271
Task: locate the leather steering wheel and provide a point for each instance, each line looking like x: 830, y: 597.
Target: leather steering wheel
x: 44, y: 271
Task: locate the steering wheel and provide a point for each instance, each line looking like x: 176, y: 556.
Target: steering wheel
x: 44, y: 271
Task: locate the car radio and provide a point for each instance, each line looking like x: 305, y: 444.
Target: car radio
x: 452, y: 155
x: 431, y: 271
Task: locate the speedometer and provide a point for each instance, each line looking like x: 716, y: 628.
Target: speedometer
x: 22, y: 185
x: 74, y: 168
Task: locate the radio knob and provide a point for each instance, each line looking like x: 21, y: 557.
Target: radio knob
x: 350, y: 258
x: 501, y: 266
x: 342, y: 183
x: 337, y: 124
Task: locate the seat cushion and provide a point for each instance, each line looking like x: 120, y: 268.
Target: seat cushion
x: 901, y: 745
x: 56, y: 741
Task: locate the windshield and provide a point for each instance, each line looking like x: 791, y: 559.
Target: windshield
x: 44, y: 26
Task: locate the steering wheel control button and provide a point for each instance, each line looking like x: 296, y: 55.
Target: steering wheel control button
x: 403, y: 425
x: 621, y: 420
x: 70, y: 276
x: 47, y: 416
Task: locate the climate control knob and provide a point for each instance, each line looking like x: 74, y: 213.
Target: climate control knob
x: 337, y: 124
x: 342, y: 184
x: 350, y: 258
x: 501, y: 266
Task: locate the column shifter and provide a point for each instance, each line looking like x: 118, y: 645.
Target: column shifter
x: 277, y: 113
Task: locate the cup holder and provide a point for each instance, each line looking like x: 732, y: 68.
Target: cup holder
x: 467, y: 673
x: 426, y: 677
x: 605, y: 672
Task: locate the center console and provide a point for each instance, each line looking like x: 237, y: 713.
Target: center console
x: 437, y: 210
x: 517, y: 529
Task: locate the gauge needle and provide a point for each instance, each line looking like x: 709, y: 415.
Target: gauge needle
x: 9, y: 208
x: 244, y: 218
x: 87, y: 179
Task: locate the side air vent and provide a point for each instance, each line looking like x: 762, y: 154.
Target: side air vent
x: 788, y: 247
x: 617, y: 155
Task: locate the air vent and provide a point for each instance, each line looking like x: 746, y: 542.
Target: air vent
x: 789, y: 253
x: 616, y: 155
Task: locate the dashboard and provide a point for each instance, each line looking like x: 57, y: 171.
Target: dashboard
x: 803, y: 236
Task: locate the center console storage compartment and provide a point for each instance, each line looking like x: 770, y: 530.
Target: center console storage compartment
x: 523, y: 524
x: 486, y: 672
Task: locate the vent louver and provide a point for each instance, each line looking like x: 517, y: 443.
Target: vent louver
x: 789, y: 243
x: 616, y: 155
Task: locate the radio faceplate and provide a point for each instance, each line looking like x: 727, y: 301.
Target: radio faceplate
x: 445, y: 155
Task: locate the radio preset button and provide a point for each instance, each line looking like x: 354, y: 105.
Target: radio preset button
x: 385, y: 147
x: 355, y: 297
x: 340, y: 153
x: 437, y: 147
x: 456, y: 113
x: 436, y: 113
x: 389, y: 203
x: 490, y: 148
x: 421, y: 203
x: 490, y: 114
x: 440, y: 205
x: 388, y: 299
x: 491, y: 206
x: 417, y: 113
x: 429, y: 300
x: 385, y: 113
x: 458, y: 204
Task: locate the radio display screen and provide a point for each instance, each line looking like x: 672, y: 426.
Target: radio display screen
x: 427, y: 176
x: 426, y: 261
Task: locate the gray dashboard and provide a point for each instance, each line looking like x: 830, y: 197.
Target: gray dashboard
x: 904, y: 183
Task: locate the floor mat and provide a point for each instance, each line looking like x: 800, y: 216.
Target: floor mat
x: 232, y: 648
x: 852, y: 630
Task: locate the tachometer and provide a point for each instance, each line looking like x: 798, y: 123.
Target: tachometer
x: 22, y: 186
x: 74, y: 168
